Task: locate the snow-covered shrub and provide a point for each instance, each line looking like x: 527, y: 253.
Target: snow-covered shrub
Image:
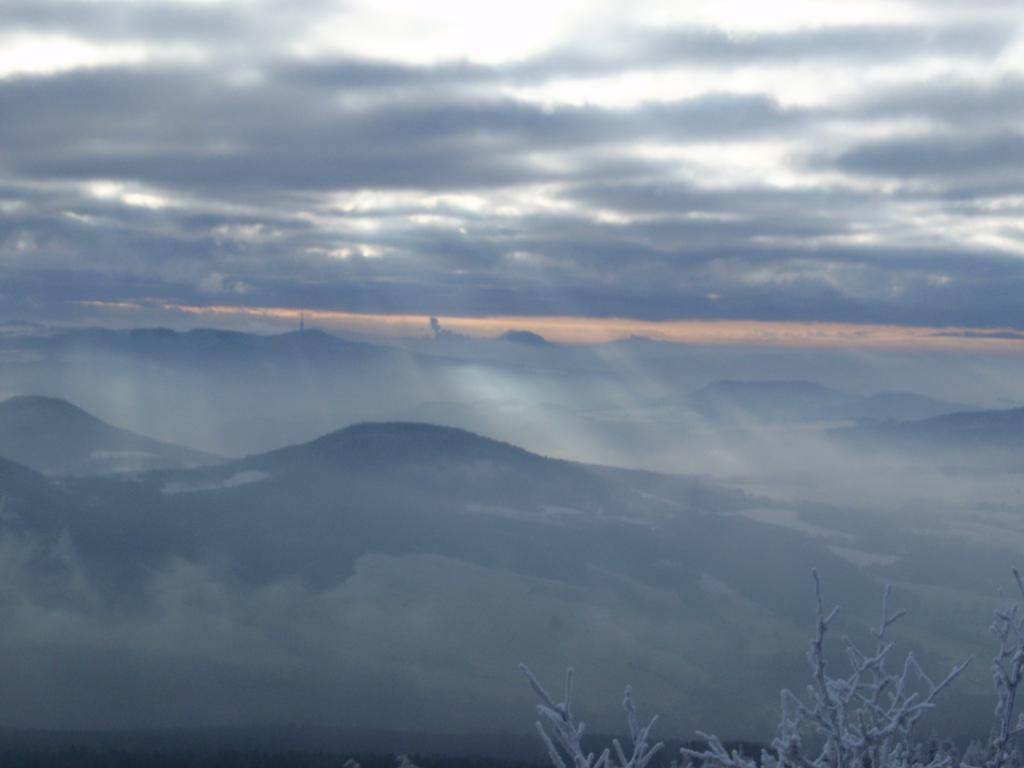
x: 1007, y: 672
x: 563, y: 736
x: 861, y: 717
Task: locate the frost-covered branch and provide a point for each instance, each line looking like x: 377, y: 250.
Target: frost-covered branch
x: 863, y: 718
x: 563, y: 736
x: 716, y: 754
x: 1007, y: 673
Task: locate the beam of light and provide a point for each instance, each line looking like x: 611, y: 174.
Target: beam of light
x: 598, y: 330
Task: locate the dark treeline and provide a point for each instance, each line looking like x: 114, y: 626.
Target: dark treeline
x: 39, y: 756
x: 103, y: 757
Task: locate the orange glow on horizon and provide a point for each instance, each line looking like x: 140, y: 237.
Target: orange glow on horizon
x: 596, y: 330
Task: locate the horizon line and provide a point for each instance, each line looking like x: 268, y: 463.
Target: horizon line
x: 588, y: 330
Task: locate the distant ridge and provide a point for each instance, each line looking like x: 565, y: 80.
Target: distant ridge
x: 210, y: 346
x: 899, y: 406
x: 796, y: 399
x: 53, y: 436
x: 397, y: 442
x: 525, y: 337
x: 996, y: 429
x: 806, y: 400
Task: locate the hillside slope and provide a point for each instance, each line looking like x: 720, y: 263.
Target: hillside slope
x: 53, y: 436
x: 394, y: 575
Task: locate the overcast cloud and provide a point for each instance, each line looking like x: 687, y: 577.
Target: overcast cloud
x: 853, y: 162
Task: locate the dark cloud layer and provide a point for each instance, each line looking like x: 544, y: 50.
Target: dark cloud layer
x: 939, y: 157
x: 251, y: 174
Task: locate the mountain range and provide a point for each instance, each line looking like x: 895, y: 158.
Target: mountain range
x: 393, y: 575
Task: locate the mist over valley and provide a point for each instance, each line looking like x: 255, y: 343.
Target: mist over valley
x: 385, y: 574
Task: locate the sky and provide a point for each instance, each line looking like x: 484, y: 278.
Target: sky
x: 797, y: 165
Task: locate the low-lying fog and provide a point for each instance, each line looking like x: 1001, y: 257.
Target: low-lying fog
x: 639, y: 404
x: 350, y: 581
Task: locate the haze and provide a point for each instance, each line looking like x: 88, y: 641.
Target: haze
x: 353, y: 353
